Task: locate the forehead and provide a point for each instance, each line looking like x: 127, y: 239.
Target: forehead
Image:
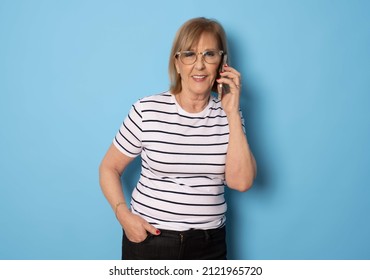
x: 205, y: 40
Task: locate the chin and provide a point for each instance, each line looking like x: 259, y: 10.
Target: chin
x: 202, y: 91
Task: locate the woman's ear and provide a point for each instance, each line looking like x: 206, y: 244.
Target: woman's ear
x: 177, y: 66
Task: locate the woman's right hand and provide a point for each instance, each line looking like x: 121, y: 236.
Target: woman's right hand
x: 110, y: 171
x: 135, y: 227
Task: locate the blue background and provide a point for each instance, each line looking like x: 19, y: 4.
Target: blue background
x: 70, y: 70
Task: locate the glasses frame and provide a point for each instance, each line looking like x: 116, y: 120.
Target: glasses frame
x: 178, y: 55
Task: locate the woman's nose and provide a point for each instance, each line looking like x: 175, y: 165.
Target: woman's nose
x: 199, y: 63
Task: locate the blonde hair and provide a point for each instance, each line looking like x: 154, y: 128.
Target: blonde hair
x: 187, y: 36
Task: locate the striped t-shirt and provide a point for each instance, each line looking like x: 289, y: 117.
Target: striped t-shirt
x: 183, y: 154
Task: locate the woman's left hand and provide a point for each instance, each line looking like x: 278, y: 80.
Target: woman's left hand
x: 231, y: 100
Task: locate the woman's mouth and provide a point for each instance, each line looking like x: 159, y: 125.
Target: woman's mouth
x: 199, y: 78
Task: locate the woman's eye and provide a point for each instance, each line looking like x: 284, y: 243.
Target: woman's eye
x: 210, y: 53
x: 189, y: 54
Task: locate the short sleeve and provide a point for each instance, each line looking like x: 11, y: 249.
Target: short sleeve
x: 128, y: 138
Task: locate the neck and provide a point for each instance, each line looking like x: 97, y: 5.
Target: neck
x: 192, y: 103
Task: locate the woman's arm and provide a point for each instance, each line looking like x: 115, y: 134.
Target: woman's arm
x: 241, y: 169
x: 111, y: 168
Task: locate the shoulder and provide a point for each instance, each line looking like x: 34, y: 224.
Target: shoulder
x: 164, y: 97
x: 216, y: 106
x: 161, y: 101
x: 215, y: 102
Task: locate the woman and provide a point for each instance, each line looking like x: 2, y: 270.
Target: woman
x: 191, y: 144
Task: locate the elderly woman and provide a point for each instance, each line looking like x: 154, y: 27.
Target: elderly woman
x: 191, y: 144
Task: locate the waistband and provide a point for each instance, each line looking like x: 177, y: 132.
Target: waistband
x: 192, y: 232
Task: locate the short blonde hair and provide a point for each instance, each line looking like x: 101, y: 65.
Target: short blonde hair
x: 187, y: 36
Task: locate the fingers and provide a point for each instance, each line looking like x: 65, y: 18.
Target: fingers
x: 140, y: 235
x: 136, y: 228
x: 153, y: 230
x: 231, y: 77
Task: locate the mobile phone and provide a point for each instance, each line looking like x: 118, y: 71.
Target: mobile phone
x: 223, y: 88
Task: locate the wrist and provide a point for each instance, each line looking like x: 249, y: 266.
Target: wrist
x: 120, y: 207
x: 233, y: 114
x: 233, y: 117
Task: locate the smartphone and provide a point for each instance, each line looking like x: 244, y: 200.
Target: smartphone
x: 223, y: 88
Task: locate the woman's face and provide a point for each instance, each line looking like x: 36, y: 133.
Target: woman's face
x: 198, y: 78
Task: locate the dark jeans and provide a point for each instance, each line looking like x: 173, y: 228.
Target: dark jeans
x: 178, y: 245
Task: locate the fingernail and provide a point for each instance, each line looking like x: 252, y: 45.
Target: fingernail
x: 157, y: 231
x: 226, y: 65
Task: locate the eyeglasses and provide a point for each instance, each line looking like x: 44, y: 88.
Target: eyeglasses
x: 190, y: 57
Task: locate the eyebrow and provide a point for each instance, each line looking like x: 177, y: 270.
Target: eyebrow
x: 206, y: 50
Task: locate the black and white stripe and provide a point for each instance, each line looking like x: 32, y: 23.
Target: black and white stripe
x: 183, y: 162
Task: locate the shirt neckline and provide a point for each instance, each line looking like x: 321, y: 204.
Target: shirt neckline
x: 186, y: 113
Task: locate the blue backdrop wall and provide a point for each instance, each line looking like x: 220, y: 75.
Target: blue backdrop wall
x: 70, y: 70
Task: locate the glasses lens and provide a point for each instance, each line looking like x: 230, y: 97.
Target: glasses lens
x: 212, y: 57
x: 188, y: 57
